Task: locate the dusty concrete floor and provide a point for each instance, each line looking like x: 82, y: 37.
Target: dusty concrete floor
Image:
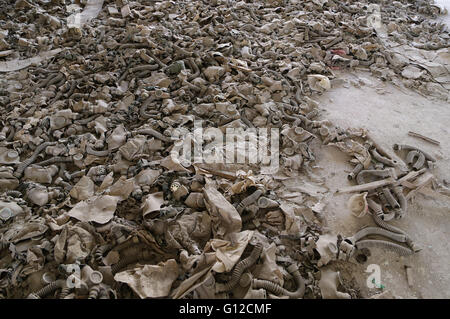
x: 446, y: 4
x: 388, y: 113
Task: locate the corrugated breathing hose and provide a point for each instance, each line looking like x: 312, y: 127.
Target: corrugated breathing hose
x: 100, y: 251
x: 21, y: 168
x: 383, y: 200
x: 376, y: 217
x: 91, y: 151
x: 3, y: 245
x: 276, y: 289
x: 358, y: 168
x: 154, y: 133
x: 240, y: 268
x: 377, y: 231
x: 383, y: 159
x: 412, y: 155
x: 402, y: 251
x: 398, y: 191
x: 399, y: 147
x: 65, y: 291
x: 123, y: 262
x: 13, y: 193
x: 94, y: 292
x: 380, y: 173
x: 390, y: 198
x: 51, y: 287
x: 249, y: 200
x: 377, y: 212
x: 143, y: 110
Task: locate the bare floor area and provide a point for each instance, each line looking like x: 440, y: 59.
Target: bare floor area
x: 388, y: 113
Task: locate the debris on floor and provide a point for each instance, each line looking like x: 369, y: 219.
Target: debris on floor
x: 99, y: 98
